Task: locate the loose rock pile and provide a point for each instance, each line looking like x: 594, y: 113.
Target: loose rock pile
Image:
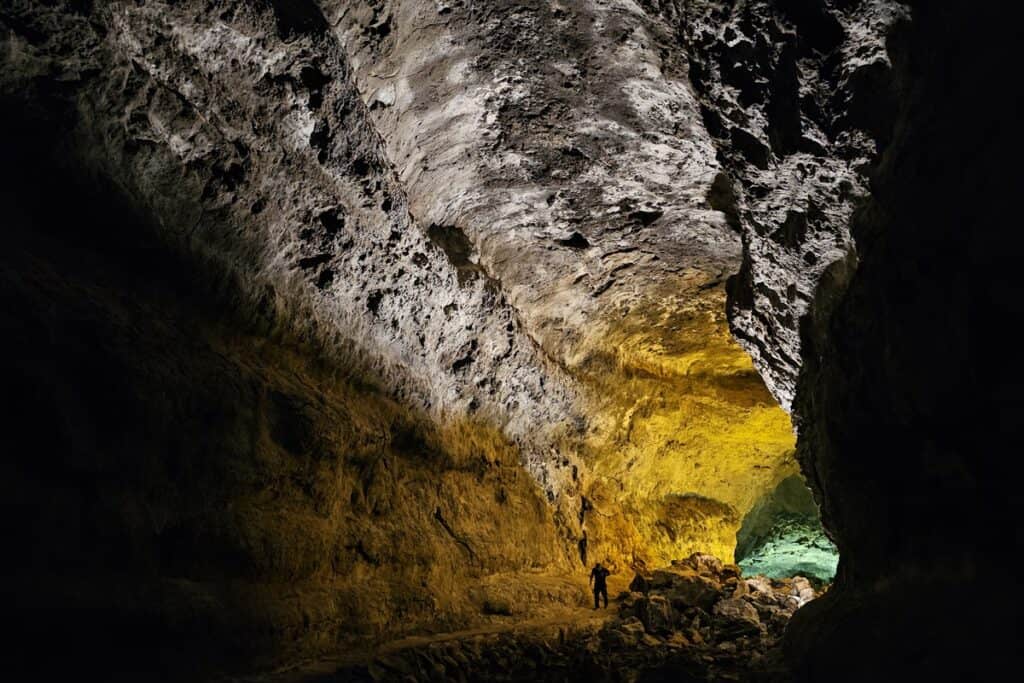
x: 695, y: 620
x: 700, y: 601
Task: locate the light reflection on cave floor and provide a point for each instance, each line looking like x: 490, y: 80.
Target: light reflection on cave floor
x: 782, y: 536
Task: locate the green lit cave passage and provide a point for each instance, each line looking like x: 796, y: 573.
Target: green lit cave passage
x: 782, y: 536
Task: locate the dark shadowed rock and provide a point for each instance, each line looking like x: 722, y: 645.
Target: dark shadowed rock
x: 735, y: 617
x: 655, y: 612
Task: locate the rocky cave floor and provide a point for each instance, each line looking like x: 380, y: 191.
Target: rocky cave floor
x: 697, y: 620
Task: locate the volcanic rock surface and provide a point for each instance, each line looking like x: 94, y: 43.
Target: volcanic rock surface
x: 328, y: 322
x: 882, y: 436
x: 729, y: 629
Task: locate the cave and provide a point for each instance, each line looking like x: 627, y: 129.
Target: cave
x: 343, y: 339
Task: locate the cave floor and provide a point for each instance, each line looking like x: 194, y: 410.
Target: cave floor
x: 568, y: 644
x: 560, y: 624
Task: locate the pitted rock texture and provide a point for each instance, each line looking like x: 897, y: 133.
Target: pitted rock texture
x: 603, y: 161
x: 240, y: 131
x: 563, y: 146
x: 263, y: 414
x: 473, y: 214
x: 186, y: 492
x: 470, y: 260
x: 562, y: 139
x: 800, y: 100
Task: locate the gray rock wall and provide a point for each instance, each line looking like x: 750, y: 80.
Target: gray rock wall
x: 240, y: 132
x: 258, y: 413
x: 184, y: 490
x: 452, y: 255
x: 800, y: 100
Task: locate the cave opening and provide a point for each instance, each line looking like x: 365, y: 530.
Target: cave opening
x: 688, y: 450
x: 782, y: 536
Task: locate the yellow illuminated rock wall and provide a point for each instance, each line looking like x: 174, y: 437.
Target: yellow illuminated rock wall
x: 685, y: 435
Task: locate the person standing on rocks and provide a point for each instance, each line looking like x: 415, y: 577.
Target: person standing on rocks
x: 598, y: 577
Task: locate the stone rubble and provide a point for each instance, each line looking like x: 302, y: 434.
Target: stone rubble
x: 700, y: 600
x: 698, y: 619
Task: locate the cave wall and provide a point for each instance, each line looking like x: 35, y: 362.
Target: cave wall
x: 782, y: 536
x: 538, y: 246
x: 912, y: 496
x: 564, y: 142
x: 343, y: 278
x: 237, y: 129
x: 180, y: 483
x: 799, y: 99
x: 225, y: 439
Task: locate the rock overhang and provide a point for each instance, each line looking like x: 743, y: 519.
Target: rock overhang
x: 581, y: 172
x: 519, y: 211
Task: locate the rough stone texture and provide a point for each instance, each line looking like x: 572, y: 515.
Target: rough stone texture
x: 736, y: 617
x: 563, y: 143
x: 914, y: 499
x: 511, y: 227
x: 180, y: 482
x: 645, y: 638
x: 230, y: 353
x: 239, y: 132
x: 561, y: 139
x: 318, y: 312
x: 798, y: 96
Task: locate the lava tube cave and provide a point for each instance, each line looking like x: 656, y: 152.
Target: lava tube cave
x: 463, y: 340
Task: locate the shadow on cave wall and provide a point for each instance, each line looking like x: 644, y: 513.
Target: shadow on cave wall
x: 889, y: 397
x: 131, y: 429
x: 76, y: 262
x: 185, y: 490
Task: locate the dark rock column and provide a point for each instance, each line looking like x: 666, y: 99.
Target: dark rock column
x: 915, y: 500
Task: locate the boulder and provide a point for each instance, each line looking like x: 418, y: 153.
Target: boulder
x: 627, y: 604
x: 651, y: 641
x: 736, y: 617
x: 656, y: 614
x: 639, y: 584
x: 626, y: 634
x: 759, y: 590
x: 661, y: 579
x: 702, y: 564
x: 677, y: 639
x: 731, y: 571
x: 692, y: 590
x: 633, y: 626
x: 802, y: 589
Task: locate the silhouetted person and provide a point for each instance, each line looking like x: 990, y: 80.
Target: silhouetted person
x: 599, y: 576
